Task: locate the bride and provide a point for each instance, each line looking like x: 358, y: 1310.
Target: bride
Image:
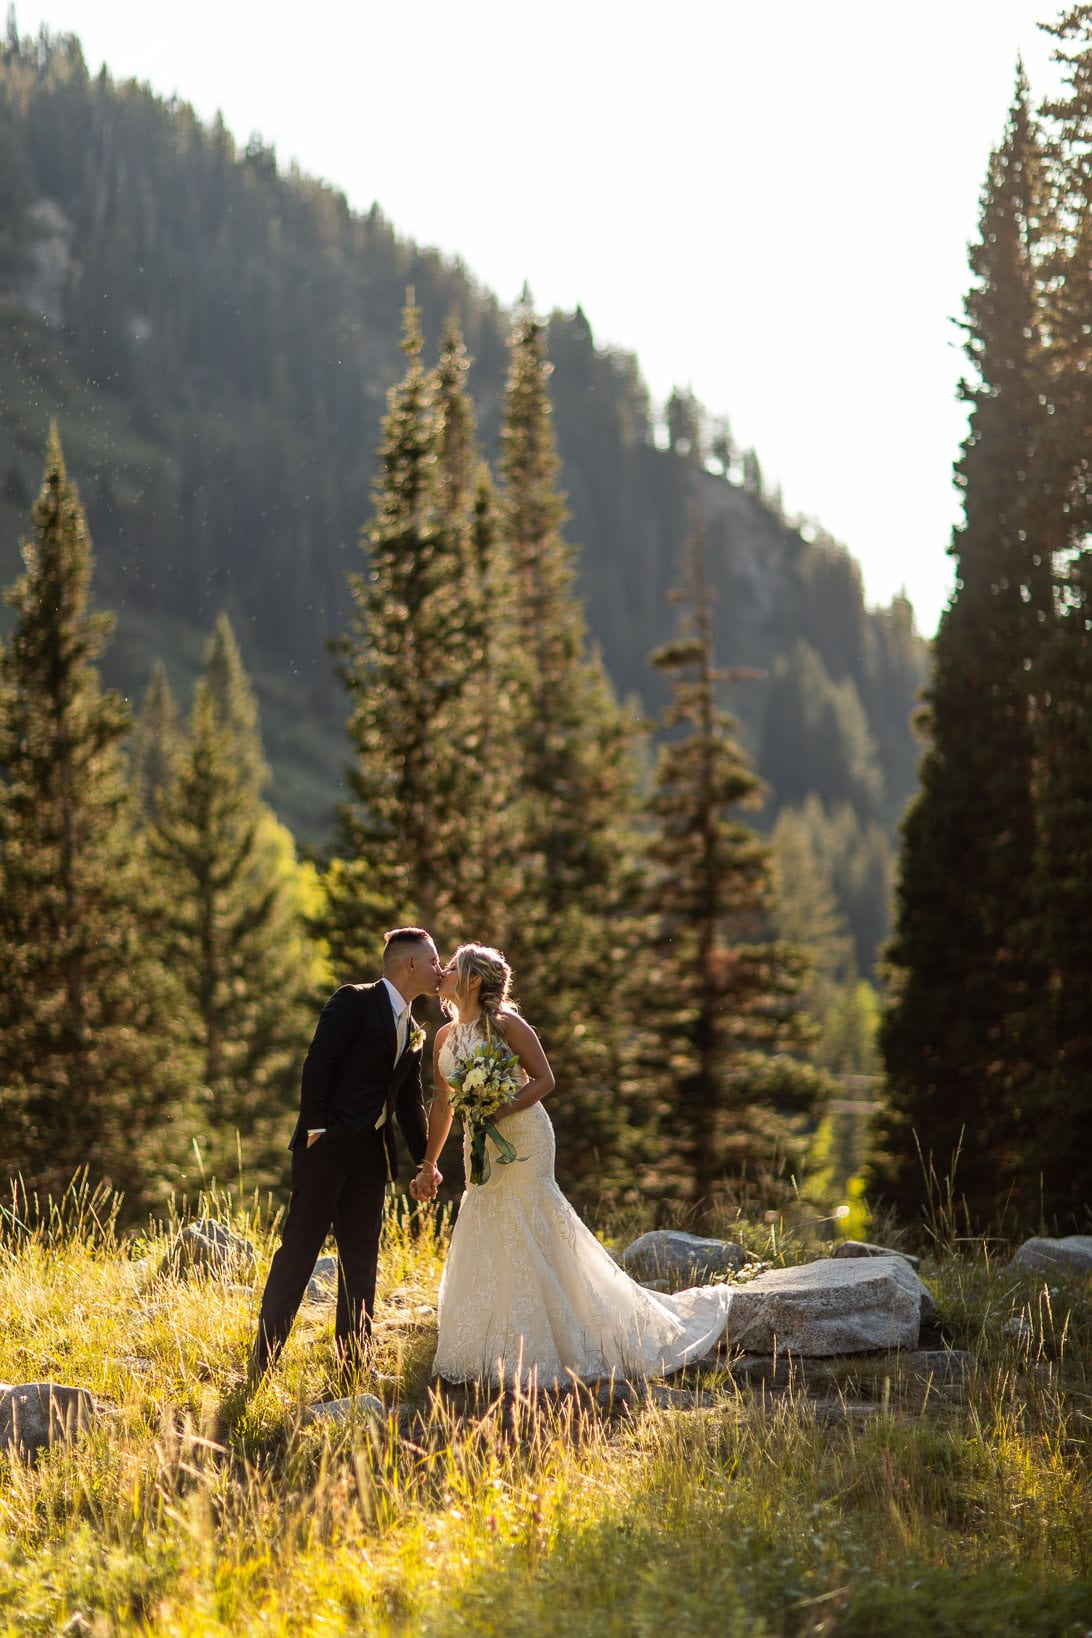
x: 528, y: 1294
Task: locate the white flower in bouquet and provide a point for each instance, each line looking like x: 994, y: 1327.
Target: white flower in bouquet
x: 481, y: 1082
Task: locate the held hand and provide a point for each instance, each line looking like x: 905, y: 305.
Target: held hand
x: 426, y: 1183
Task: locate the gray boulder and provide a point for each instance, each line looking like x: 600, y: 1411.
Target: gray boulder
x: 35, y: 1414
x: 322, y: 1286
x: 345, y: 1410
x: 1072, y: 1254
x: 835, y: 1306
x: 680, y: 1260
x: 207, y: 1247
x: 862, y: 1248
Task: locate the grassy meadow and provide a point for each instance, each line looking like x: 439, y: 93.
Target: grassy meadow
x: 864, y: 1501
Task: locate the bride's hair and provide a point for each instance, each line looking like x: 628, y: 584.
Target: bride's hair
x: 495, y: 995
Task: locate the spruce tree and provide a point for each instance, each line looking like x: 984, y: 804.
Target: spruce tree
x: 235, y: 705
x: 155, y: 739
x: 724, y: 1015
x: 1062, y: 1105
x: 575, y: 933
x: 966, y: 977
x: 415, y: 646
x: 91, y: 1073
x: 1060, y: 1139
x: 232, y: 923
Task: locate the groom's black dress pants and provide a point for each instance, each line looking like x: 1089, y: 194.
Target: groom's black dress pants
x: 339, y: 1182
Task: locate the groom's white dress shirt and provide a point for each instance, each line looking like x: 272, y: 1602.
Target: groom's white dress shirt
x: 401, y: 1009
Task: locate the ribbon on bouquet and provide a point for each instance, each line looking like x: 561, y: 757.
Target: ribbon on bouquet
x: 479, y: 1155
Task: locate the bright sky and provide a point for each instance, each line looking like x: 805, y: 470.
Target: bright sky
x: 770, y: 204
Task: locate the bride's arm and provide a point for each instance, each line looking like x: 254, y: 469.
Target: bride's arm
x: 439, y: 1114
x: 528, y: 1049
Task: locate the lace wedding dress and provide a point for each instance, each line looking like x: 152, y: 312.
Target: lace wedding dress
x: 528, y: 1294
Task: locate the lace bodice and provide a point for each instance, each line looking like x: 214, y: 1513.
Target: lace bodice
x: 460, y: 1040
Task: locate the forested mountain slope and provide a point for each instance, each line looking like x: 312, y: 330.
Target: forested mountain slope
x: 217, y: 339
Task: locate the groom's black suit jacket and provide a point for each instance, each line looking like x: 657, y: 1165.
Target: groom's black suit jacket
x: 349, y: 1074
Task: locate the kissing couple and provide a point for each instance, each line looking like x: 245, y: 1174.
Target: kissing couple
x: 528, y: 1294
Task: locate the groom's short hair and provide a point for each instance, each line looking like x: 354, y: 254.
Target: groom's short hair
x: 396, y: 941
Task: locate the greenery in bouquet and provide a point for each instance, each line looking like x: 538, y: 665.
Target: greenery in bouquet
x: 482, y: 1081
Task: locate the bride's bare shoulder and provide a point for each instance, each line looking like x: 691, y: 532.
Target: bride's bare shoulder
x: 517, y: 1030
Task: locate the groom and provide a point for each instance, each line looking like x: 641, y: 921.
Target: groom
x: 363, y: 1070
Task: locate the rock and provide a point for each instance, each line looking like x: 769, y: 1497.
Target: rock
x: 322, y: 1286
x: 345, y: 1410
x: 207, y: 1247
x: 848, y: 1306
x: 681, y: 1259
x: 762, y: 1370
x: 1072, y: 1254
x: 35, y: 1414
x: 944, y: 1367
x: 862, y: 1248
x: 1019, y: 1328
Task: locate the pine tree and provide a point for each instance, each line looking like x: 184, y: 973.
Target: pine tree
x: 575, y: 934
x: 1062, y: 1105
x: 1060, y: 1146
x: 91, y: 1073
x: 724, y: 1016
x: 235, y: 706
x: 231, y: 922
x: 966, y: 977
x: 414, y: 650
x: 155, y: 739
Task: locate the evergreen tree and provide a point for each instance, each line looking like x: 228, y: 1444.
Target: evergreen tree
x: 966, y: 977
x: 481, y: 872
x: 235, y: 706
x: 725, y: 1014
x: 156, y: 737
x: 807, y: 914
x: 1062, y: 1104
x: 90, y: 1073
x: 574, y: 934
x: 231, y: 922
x: 414, y: 651
x: 1060, y: 1145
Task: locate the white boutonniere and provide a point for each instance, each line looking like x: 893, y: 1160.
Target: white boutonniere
x: 416, y: 1037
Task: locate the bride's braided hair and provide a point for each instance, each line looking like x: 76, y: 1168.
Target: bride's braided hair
x: 495, y: 995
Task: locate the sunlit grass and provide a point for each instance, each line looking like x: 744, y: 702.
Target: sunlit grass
x: 861, y: 1500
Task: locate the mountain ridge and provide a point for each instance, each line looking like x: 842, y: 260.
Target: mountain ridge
x: 217, y: 339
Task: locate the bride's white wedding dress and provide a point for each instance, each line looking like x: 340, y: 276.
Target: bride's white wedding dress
x: 528, y: 1294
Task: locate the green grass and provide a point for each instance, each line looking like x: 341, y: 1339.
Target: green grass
x: 860, y: 1503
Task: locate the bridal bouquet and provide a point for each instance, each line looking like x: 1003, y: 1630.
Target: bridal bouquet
x: 480, y: 1083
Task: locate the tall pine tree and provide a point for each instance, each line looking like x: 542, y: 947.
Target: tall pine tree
x: 156, y: 737
x: 1060, y: 1140
x: 231, y: 923
x: 91, y: 1072
x: 575, y: 934
x: 966, y: 977
x: 415, y: 646
x: 723, y: 1018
